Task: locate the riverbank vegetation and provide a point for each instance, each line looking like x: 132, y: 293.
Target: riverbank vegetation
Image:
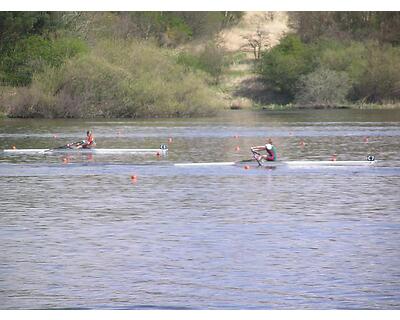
x: 125, y: 64
x: 336, y: 58
x: 161, y: 64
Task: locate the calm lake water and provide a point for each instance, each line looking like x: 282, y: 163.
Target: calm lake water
x: 79, y: 233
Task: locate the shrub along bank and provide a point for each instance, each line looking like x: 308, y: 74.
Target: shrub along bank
x: 117, y: 79
x: 336, y: 58
x: 110, y: 64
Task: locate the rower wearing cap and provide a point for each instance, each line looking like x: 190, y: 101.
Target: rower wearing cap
x: 269, y: 148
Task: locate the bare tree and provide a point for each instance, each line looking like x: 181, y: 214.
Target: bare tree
x: 257, y: 42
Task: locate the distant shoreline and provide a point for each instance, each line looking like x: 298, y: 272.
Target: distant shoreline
x: 270, y: 107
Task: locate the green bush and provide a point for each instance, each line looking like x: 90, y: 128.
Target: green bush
x: 284, y: 64
x: 345, y: 57
x: 323, y: 87
x: 380, y: 80
x: 33, y: 54
x: 119, y: 79
x: 211, y: 60
x: 374, y: 69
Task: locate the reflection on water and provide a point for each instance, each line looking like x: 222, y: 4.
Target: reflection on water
x: 83, y: 234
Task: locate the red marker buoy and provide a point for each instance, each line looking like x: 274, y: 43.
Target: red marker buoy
x: 246, y: 167
x: 158, y: 154
x: 134, y: 178
x: 334, y: 157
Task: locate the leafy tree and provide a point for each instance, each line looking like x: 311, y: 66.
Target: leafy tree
x: 380, y: 80
x: 32, y: 54
x: 17, y: 25
x: 284, y: 64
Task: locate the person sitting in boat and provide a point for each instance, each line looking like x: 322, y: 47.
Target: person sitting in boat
x: 89, y: 142
x: 269, y: 148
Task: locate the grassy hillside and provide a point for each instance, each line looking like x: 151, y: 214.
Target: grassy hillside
x: 161, y: 64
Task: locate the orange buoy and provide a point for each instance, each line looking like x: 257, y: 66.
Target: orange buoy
x: 65, y: 160
x: 246, y: 167
x: 237, y: 148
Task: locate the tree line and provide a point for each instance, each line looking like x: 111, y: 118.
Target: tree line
x: 37, y: 46
x: 333, y: 58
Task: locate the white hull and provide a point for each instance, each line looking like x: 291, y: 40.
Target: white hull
x: 83, y: 151
x: 305, y: 163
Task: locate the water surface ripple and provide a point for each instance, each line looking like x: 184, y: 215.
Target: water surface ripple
x: 82, y: 234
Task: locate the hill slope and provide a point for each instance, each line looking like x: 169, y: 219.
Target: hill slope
x: 262, y: 29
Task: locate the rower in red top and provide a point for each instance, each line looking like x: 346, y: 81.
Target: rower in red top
x: 89, y: 142
x: 269, y: 148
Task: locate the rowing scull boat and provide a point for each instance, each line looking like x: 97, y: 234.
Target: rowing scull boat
x: 303, y: 163
x: 83, y: 151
